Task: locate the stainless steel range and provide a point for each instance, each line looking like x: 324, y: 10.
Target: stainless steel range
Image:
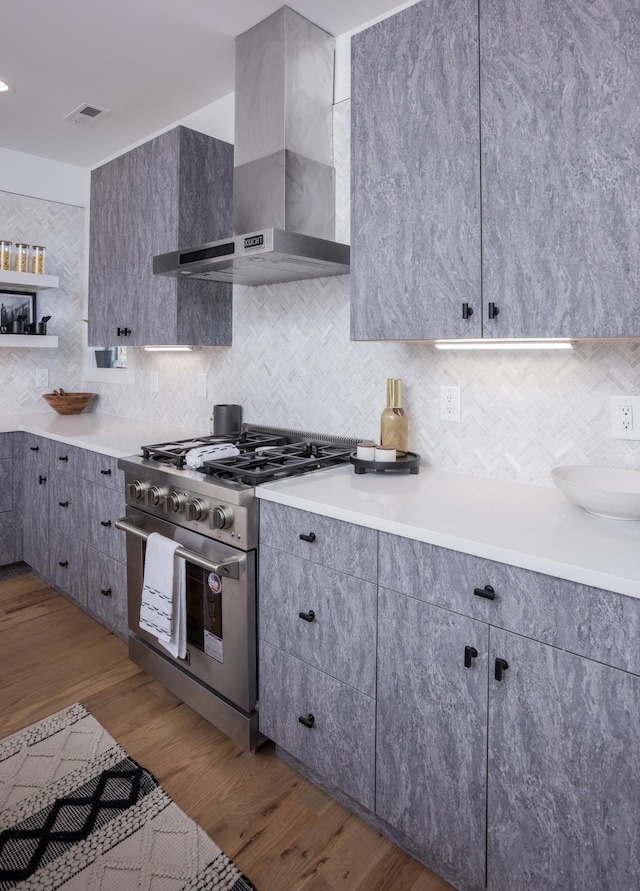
x: 211, y: 511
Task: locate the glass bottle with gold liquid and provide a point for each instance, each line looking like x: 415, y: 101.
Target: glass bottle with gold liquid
x: 393, y: 421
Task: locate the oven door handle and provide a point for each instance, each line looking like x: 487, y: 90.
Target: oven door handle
x: 230, y: 568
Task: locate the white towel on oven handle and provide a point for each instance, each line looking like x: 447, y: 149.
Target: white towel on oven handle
x: 163, y: 609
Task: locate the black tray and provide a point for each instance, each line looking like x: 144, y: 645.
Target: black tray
x: 409, y: 462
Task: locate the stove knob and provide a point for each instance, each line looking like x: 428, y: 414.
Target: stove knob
x: 221, y: 518
x: 137, y: 489
x: 196, y: 509
x: 174, y: 501
x: 155, y: 495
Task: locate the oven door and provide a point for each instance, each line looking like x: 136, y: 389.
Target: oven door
x: 221, y: 606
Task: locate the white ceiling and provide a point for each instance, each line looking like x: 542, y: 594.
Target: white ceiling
x: 149, y: 62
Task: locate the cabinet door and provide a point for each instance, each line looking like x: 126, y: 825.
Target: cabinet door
x: 105, y: 506
x: 68, y: 503
x: 432, y: 733
x: 35, y: 535
x: 107, y: 591
x: 68, y: 565
x: 564, y: 771
x: 561, y: 167
x: 415, y: 178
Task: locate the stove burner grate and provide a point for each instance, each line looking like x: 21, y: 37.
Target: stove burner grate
x: 175, y: 453
x: 266, y: 464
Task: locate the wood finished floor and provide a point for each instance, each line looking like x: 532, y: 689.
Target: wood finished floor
x: 282, y: 832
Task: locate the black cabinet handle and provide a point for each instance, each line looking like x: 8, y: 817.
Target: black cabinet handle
x: 487, y: 592
x: 469, y: 654
x: 35, y: 448
x: 308, y: 721
x: 63, y: 503
x: 106, y: 523
x: 501, y: 666
x: 467, y: 311
x: 494, y: 311
x: 124, y: 332
x: 308, y: 617
x: 63, y: 563
x: 310, y: 537
x: 106, y: 592
x: 106, y: 472
x: 42, y: 479
x: 63, y: 457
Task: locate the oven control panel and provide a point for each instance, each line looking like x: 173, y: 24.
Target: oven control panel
x: 234, y: 524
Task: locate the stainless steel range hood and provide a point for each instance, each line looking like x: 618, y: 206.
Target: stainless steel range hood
x: 284, y: 179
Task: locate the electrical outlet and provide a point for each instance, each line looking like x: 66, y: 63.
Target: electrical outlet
x: 153, y: 381
x: 625, y: 417
x: 450, y: 404
x: 201, y: 385
x: 42, y: 377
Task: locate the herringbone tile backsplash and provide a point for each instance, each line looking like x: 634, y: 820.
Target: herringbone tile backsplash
x: 292, y: 364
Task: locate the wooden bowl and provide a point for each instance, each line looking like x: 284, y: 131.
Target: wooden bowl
x: 68, y: 403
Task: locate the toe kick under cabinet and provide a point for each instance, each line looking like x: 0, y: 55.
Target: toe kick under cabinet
x: 72, y: 498
x: 484, y: 717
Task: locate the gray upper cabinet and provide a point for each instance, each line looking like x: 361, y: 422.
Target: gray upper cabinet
x: 415, y: 179
x: 561, y: 167
x: 171, y: 192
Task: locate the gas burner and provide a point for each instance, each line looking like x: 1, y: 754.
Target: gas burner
x: 175, y: 453
x: 266, y: 464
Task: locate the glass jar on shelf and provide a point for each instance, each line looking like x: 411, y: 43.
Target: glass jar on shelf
x: 5, y: 254
x: 37, y: 259
x: 21, y: 257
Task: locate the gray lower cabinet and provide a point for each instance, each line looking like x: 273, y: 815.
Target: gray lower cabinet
x: 431, y: 738
x: 35, y: 504
x: 105, y: 506
x: 106, y: 585
x: 68, y: 564
x: 10, y: 525
x: 563, y: 771
x: 171, y: 192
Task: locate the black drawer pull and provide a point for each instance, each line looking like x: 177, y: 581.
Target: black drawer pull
x: 35, y: 448
x: 63, y: 563
x: 63, y: 457
x: 494, y: 311
x: 106, y: 523
x: 501, y: 666
x: 308, y: 617
x: 124, y: 332
x: 63, y: 503
x: 467, y: 311
x: 469, y: 654
x: 310, y: 537
x: 308, y: 721
x: 487, y: 592
x: 106, y: 472
x: 106, y: 592
x: 42, y: 479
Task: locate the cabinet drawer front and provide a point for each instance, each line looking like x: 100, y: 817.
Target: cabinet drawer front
x: 340, y: 743
x: 6, y: 445
x: 68, y: 503
x: 588, y: 621
x: 107, y: 591
x: 70, y: 458
x: 104, y: 508
x: 68, y: 565
x: 343, y: 546
x: 337, y: 632
x: 6, y: 483
x: 103, y: 469
x: 10, y: 538
x: 36, y: 448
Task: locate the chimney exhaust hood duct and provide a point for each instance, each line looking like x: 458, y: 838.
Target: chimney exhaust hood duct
x: 284, y: 179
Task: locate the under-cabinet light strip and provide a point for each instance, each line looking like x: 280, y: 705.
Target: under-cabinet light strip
x: 504, y: 344
x: 170, y: 349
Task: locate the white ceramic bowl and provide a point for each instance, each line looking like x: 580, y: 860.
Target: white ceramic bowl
x: 611, y: 492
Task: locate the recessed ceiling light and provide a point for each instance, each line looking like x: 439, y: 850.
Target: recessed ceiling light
x: 6, y: 87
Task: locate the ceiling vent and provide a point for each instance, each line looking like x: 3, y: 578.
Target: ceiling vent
x: 85, y: 115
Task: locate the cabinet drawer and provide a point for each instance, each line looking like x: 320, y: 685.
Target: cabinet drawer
x: 343, y: 546
x: 107, y: 591
x: 70, y: 459
x: 588, y: 621
x: 104, y: 508
x: 340, y: 639
x: 340, y: 743
x: 103, y: 469
x: 35, y: 448
x: 68, y: 565
x: 68, y: 503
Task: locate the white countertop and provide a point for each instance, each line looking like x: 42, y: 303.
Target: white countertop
x: 98, y: 433
x: 533, y: 527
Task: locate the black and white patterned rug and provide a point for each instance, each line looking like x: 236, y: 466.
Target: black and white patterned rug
x: 77, y: 813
